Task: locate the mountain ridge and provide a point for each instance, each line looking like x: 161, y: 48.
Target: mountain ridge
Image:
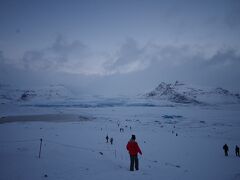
x: 181, y: 93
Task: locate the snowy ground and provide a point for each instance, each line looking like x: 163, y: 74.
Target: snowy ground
x: 178, y: 143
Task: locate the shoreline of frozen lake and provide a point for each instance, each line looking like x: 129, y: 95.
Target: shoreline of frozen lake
x: 44, y: 118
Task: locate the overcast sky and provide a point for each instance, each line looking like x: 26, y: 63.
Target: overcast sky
x: 119, y: 46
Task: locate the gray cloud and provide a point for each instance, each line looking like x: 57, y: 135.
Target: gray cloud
x: 58, y: 56
x: 131, y: 57
x: 65, y: 49
x: 225, y: 57
x: 77, y: 58
x: 133, y: 67
x: 196, y: 64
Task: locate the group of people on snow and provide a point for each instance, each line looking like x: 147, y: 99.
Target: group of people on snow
x: 111, y: 139
x: 226, y: 149
x: 134, y: 149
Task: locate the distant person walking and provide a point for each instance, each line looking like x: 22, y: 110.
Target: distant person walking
x: 133, y: 149
x: 237, y: 150
x: 111, y: 140
x: 225, y: 148
x: 107, y: 138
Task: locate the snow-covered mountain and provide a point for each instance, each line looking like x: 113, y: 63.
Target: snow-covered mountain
x: 175, y: 93
x: 10, y: 94
x: 182, y: 93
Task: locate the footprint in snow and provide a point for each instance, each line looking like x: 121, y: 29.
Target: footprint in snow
x: 172, y: 165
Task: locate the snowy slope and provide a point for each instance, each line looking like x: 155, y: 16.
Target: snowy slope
x: 74, y: 150
x: 11, y: 94
x: 182, y: 93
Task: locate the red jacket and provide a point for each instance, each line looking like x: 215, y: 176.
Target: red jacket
x: 133, y: 148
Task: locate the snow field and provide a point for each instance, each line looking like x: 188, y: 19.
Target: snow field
x: 72, y: 150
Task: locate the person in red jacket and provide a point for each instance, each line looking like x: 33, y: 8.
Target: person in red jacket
x: 133, y: 150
